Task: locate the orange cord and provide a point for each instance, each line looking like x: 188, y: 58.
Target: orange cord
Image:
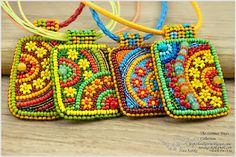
x: 135, y: 19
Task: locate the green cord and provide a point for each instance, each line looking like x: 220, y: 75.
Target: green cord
x: 26, y: 24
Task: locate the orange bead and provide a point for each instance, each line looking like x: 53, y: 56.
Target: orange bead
x: 184, y: 89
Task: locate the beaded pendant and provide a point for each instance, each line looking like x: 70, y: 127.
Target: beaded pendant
x: 83, y: 83
x: 190, y: 74
x: 30, y: 94
x: 133, y: 73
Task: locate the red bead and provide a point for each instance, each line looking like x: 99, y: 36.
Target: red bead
x: 187, y: 105
x: 177, y: 89
x: 174, y: 80
x: 171, y: 85
x: 171, y: 70
x: 168, y: 66
x: 183, y: 97
x: 114, y: 105
x: 182, y: 102
x: 169, y: 75
x: 172, y: 61
x: 176, y: 94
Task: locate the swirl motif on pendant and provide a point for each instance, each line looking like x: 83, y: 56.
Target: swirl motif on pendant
x: 140, y: 85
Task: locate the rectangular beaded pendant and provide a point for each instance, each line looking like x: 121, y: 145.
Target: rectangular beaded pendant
x: 83, y: 85
x: 133, y: 74
x: 190, y: 74
x: 30, y: 94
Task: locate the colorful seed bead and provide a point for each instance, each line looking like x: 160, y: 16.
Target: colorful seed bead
x: 51, y: 25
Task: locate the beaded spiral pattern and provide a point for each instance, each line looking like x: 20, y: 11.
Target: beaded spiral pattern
x: 191, y: 78
x: 52, y: 25
x: 30, y: 92
x: 135, y: 82
x: 84, y: 87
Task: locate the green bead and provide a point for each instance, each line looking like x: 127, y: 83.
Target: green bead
x: 62, y: 71
x: 181, y: 80
x: 195, y: 105
x: 185, y: 44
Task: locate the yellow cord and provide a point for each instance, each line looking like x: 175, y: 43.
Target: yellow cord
x: 112, y: 24
x: 137, y: 26
x: 121, y: 20
x: 199, y: 15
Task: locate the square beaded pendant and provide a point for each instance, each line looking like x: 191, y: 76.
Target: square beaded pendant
x: 133, y: 74
x: 83, y: 83
x: 30, y: 94
x: 190, y: 74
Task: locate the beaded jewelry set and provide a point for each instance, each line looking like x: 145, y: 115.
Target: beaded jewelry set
x: 77, y: 78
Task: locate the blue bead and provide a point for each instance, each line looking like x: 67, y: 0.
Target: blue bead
x: 179, y: 69
x: 162, y: 47
x: 169, y: 80
x: 186, y: 25
x: 180, y: 57
x: 193, y: 45
x: 172, y: 90
x: 178, y: 100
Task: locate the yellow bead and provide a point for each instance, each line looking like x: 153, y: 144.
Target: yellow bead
x: 21, y: 66
x: 217, y: 80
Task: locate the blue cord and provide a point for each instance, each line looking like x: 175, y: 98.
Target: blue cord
x: 117, y: 38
